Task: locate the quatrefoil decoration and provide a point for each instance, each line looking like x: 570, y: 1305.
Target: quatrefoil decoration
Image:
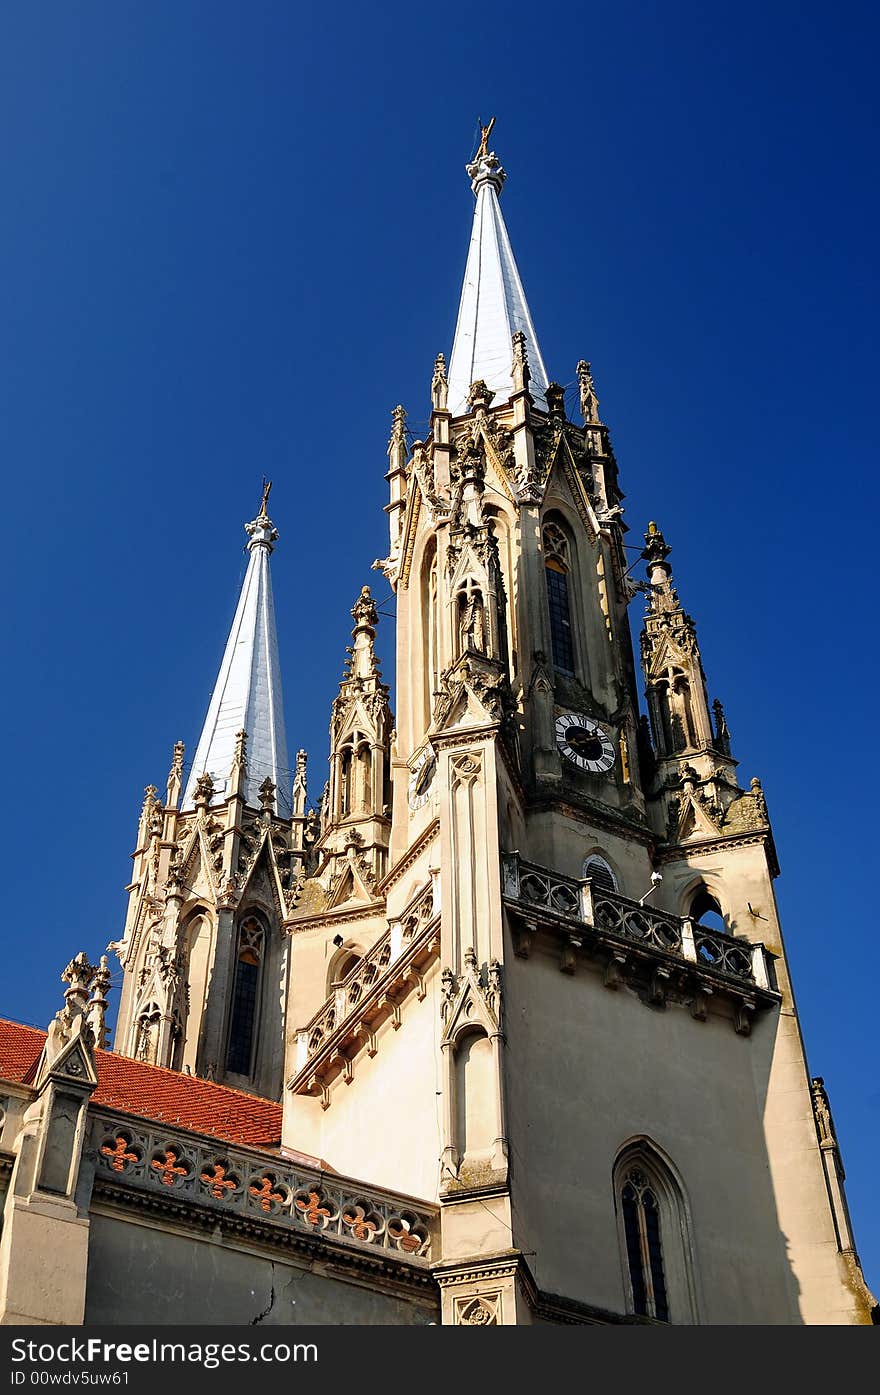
x: 313, y: 1213
x: 265, y: 1194
x: 219, y: 1181
x: 122, y: 1155
x: 406, y: 1234
x: 168, y: 1163
x: 360, y: 1222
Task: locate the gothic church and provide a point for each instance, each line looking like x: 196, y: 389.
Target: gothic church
x: 499, y: 1029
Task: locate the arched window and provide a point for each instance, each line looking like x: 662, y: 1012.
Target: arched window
x: 474, y: 1094
x: 355, y: 774
x: 199, y: 943
x: 346, y: 958
x: 675, y: 713
x: 656, y: 1251
x: 500, y: 529
x: 600, y: 874
x: 346, y: 760
x: 245, y: 999
x: 432, y: 667
x: 706, y: 911
x: 644, y: 1251
x: 556, y: 572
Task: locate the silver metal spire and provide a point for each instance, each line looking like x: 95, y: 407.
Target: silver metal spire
x: 247, y: 694
x: 493, y: 303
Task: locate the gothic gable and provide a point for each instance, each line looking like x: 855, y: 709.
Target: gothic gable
x: 564, y: 479
x: 262, y: 885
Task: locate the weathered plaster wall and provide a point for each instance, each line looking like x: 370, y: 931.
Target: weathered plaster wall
x: 588, y: 1069
x: 142, y: 1274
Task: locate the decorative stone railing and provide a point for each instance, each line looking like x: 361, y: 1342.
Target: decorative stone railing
x: 170, y: 1166
x: 584, y: 909
x: 368, y: 992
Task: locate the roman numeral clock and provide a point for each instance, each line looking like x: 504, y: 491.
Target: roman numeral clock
x: 584, y: 742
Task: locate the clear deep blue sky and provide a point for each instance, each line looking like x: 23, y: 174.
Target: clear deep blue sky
x: 232, y: 238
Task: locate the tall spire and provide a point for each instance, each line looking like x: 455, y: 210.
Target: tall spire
x: 247, y: 694
x: 493, y: 303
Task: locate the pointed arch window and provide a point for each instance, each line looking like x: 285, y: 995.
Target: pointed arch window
x: 245, y: 999
x: 557, y: 570
x: 655, y: 1241
x: 644, y: 1252
x: 705, y: 910
x: 429, y: 644
x: 355, y: 774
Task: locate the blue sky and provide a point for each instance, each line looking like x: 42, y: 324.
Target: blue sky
x: 232, y: 238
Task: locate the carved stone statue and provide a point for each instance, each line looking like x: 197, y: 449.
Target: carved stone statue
x: 589, y: 400
x: 473, y: 629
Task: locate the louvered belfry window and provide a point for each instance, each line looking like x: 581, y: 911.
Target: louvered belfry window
x: 600, y: 874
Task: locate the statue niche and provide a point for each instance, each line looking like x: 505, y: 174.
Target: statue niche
x: 471, y: 619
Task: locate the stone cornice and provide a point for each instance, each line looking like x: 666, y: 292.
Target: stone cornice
x: 464, y: 736
x: 334, y: 914
x: 552, y: 1307
x: 598, y: 815
x: 502, y: 1264
x: 186, y: 1213
x: 677, y: 852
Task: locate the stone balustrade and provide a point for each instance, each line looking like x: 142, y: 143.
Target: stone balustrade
x: 580, y: 906
x: 368, y: 990
x: 168, y: 1165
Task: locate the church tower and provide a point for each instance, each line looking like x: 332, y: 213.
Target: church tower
x: 552, y: 994
x: 204, y: 956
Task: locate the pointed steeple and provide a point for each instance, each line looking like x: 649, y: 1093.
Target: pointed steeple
x: 493, y: 303
x: 247, y: 694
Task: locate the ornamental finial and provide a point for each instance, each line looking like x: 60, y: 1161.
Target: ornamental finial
x: 261, y: 530
x: 485, y: 133
x: 485, y: 168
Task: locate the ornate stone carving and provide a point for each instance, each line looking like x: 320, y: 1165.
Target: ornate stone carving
x: 588, y: 400
x: 448, y: 990
x: 466, y: 768
x: 266, y: 1193
x: 439, y: 384
x: 479, y: 1311
x: 493, y: 988
x: 204, y: 791
x: 267, y: 795
x: 397, y: 440
x: 120, y: 1154
x: 822, y: 1111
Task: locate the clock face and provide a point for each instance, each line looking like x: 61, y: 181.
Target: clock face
x: 584, y: 742
x: 421, y: 778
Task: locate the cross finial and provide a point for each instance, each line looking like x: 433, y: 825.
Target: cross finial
x: 264, y: 502
x: 485, y: 133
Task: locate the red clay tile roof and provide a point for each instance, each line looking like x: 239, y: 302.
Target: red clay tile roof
x: 154, y: 1092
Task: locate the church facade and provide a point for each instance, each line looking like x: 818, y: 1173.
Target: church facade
x: 498, y: 1030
